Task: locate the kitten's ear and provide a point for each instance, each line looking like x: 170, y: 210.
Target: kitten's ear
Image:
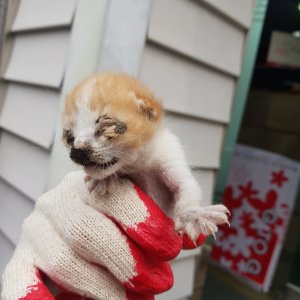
x: 145, y: 107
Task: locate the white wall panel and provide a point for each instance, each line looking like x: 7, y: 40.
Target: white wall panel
x: 15, y: 207
x: 187, y: 87
x: 240, y: 11
x: 192, y: 29
x: 188, y: 253
x: 6, y: 252
x: 34, y: 14
x: 206, y: 179
x: 31, y: 112
x: 23, y: 165
x: 183, y: 270
x: 201, y: 141
x: 39, y: 58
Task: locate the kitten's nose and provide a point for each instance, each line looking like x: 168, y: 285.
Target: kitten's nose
x: 80, y: 156
x: 82, y: 143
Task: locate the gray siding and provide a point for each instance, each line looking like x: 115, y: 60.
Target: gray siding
x: 31, y: 79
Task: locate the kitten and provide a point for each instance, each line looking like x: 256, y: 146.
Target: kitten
x: 113, y: 126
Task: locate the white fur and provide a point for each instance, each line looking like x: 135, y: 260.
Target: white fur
x: 159, y: 167
x: 85, y: 119
x: 165, y: 158
x: 166, y: 155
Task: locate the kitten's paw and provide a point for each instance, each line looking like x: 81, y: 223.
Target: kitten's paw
x: 101, y: 186
x: 201, y: 220
x: 90, y: 183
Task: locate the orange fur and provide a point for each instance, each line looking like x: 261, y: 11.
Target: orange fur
x: 122, y: 97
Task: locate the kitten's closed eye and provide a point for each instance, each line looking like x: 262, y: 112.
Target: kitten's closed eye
x: 109, y: 127
x: 105, y: 117
x: 68, y: 137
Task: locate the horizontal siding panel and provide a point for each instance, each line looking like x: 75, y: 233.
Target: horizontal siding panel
x: 23, y: 165
x: 206, y: 179
x: 183, y: 271
x: 34, y: 14
x: 39, y: 113
x: 239, y: 11
x: 201, y: 141
x: 188, y: 253
x: 6, y: 252
x: 39, y: 58
x: 193, y: 30
x: 186, y: 87
x: 15, y: 207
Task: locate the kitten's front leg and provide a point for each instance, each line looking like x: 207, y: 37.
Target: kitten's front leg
x: 189, y: 216
x: 101, y: 186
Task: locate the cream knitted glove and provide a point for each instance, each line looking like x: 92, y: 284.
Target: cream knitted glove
x: 110, y: 247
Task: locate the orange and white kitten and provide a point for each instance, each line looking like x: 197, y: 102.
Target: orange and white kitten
x: 113, y: 126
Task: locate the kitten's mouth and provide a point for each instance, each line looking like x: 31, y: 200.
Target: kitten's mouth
x: 103, y: 166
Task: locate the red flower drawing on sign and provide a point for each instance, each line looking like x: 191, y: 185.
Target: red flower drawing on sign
x: 267, y: 203
x: 278, y: 178
x: 247, y: 191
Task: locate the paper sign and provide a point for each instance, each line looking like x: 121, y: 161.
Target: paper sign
x: 260, y: 193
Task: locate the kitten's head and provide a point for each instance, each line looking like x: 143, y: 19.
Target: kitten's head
x: 107, y: 121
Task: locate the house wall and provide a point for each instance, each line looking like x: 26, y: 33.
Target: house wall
x: 188, y: 52
x: 33, y: 63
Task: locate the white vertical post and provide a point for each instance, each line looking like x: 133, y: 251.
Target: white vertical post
x: 106, y: 36
x: 124, y: 36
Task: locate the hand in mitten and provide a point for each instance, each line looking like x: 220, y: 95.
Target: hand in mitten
x: 110, y: 247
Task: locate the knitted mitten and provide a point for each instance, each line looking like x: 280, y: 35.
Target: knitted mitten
x: 111, y: 247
